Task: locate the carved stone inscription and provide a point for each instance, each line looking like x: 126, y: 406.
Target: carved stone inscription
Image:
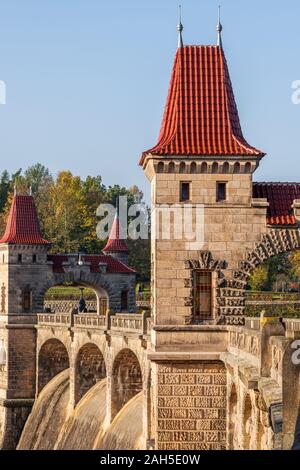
x: 191, y: 406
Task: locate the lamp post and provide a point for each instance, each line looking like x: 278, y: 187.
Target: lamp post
x: 82, y: 304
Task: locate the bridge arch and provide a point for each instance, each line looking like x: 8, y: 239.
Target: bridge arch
x: 273, y: 243
x: 89, y: 369
x: 126, y: 379
x: 103, y: 289
x: 53, y: 358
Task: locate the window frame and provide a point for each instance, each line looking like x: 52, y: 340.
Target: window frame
x: 197, y: 316
x: 218, y: 183
x: 189, y: 191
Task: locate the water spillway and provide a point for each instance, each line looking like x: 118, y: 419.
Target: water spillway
x: 53, y: 426
x: 125, y: 432
x: 48, y: 415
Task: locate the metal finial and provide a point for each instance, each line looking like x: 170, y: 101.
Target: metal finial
x: 180, y: 29
x: 15, y: 189
x: 219, y: 29
x: 30, y: 190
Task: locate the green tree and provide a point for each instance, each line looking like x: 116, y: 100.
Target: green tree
x: 259, y: 278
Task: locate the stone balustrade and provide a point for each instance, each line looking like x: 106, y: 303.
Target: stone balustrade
x: 62, y: 319
x: 86, y: 320
x: 139, y: 324
x: 130, y: 323
x: 292, y: 327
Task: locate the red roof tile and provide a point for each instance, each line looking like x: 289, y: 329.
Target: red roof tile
x: 116, y: 242
x: 201, y: 117
x: 113, y: 265
x: 280, y: 197
x: 22, y: 223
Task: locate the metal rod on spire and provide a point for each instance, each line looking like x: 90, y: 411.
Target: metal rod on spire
x: 219, y: 29
x: 15, y: 189
x: 180, y: 29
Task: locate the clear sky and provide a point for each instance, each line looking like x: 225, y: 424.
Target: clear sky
x: 87, y: 80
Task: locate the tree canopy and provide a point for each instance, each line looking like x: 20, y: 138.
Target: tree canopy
x: 66, y: 206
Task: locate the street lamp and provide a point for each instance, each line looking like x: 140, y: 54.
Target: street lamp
x: 82, y: 304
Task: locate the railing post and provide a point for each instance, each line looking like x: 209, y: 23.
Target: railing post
x: 108, y: 315
x: 145, y: 314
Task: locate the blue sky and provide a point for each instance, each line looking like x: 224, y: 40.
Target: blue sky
x: 87, y: 80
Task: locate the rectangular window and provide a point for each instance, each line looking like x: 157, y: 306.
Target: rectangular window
x: 34, y: 258
x: 203, y: 296
x: 103, y: 306
x: 221, y: 192
x: 19, y: 258
x: 184, y: 192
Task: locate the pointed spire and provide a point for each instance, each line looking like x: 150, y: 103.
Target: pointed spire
x: 23, y: 226
x: 180, y: 29
x: 116, y: 242
x: 219, y: 29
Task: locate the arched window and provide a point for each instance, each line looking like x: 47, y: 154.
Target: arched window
x: 226, y: 168
x: 193, y: 168
x: 160, y: 167
x: 204, y: 167
x: 171, y: 168
x: 203, y: 305
x: 182, y: 167
x: 248, y: 168
x: 215, y: 168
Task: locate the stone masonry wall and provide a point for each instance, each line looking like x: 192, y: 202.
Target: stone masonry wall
x: 231, y: 229
x: 191, y: 406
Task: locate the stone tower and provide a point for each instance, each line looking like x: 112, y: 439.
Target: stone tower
x: 23, y: 253
x: 201, y: 162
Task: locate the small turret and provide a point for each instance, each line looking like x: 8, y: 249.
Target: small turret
x: 116, y: 245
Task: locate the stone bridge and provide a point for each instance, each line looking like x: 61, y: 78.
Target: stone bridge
x: 243, y: 392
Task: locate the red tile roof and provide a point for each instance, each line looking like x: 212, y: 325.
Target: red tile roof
x: 113, y: 265
x: 22, y: 223
x: 116, y: 242
x: 201, y: 117
x: 280, y: 197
